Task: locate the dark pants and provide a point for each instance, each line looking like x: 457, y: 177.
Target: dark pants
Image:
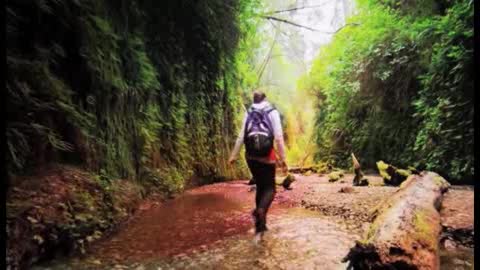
x: 264, y: 175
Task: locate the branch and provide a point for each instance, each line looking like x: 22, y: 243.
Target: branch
x: 306, y: 27
x: 269, y: 55
x: 288, y: 36
x: 298, y: 8
x: 279, y: 29
x: 348, y: 24
x: 289, y: 22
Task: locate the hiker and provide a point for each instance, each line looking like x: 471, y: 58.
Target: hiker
x: 261, y: 127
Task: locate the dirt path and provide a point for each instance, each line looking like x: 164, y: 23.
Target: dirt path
x: 310, y: 227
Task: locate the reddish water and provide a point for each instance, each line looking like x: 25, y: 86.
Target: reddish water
x: 211, y: 227
x: 177, y: 226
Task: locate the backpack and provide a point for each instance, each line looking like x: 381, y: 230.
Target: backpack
x: 258, y: 132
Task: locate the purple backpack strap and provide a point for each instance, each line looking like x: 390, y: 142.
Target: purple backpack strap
x: 265, y: 113
x: 267, y: 119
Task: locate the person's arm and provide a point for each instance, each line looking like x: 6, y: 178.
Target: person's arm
x: 278, y: 133
x: 239, y: 142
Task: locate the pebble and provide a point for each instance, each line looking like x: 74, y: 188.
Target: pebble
x: 449, y: 244
x: 458, y: 262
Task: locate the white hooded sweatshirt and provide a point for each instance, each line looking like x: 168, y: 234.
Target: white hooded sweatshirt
x: 277, y: 133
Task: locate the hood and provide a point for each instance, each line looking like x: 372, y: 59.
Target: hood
x: 261, y: 105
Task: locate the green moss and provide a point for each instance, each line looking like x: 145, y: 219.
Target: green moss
x: 321, y: 167
x: 382, y: 169
x: 423, y: 229
x: 405, y: 173
x: 372, y: 230
x: 335, y: 176
x: 440, y: 181
x: 412, y: 169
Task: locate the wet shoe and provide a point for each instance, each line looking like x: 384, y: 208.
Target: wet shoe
x: 258, y: 238
x: 287, y: 185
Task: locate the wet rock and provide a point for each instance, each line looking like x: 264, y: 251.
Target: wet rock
x: 449, y: 244
x: 346, y: 190
x: 461, y: 262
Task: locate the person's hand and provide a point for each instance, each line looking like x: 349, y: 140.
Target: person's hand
x: 284, y: 166
x: 231, y: 160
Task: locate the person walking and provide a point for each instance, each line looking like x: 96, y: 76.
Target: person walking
x: 261, y: 127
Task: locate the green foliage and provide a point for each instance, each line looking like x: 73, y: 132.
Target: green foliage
x: 396, y: 84
x: 445, y: 102
x: 139, y: 89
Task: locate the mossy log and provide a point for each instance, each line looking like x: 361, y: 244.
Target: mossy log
x: 301, y: 170
x: 335, y: 176
x: 392, y: 175
x: 317, y: 168
x: 405, y: 232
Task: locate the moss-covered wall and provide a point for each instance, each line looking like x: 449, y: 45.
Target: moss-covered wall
x: 144, y: 90
x: 396, y: 84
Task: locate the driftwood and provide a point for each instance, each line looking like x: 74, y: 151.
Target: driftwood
x: 317, y: 168
x: 358, y: 180
x: 301, y: 170
x: 405, y: 232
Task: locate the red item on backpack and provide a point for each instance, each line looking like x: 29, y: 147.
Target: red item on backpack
x: 272, y: 156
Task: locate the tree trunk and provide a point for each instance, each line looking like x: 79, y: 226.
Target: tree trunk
x: 405, y: 233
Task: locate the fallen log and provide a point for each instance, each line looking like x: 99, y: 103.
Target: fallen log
x: 320, y: 168
x: 301, y: 170
x: 405, y: 232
